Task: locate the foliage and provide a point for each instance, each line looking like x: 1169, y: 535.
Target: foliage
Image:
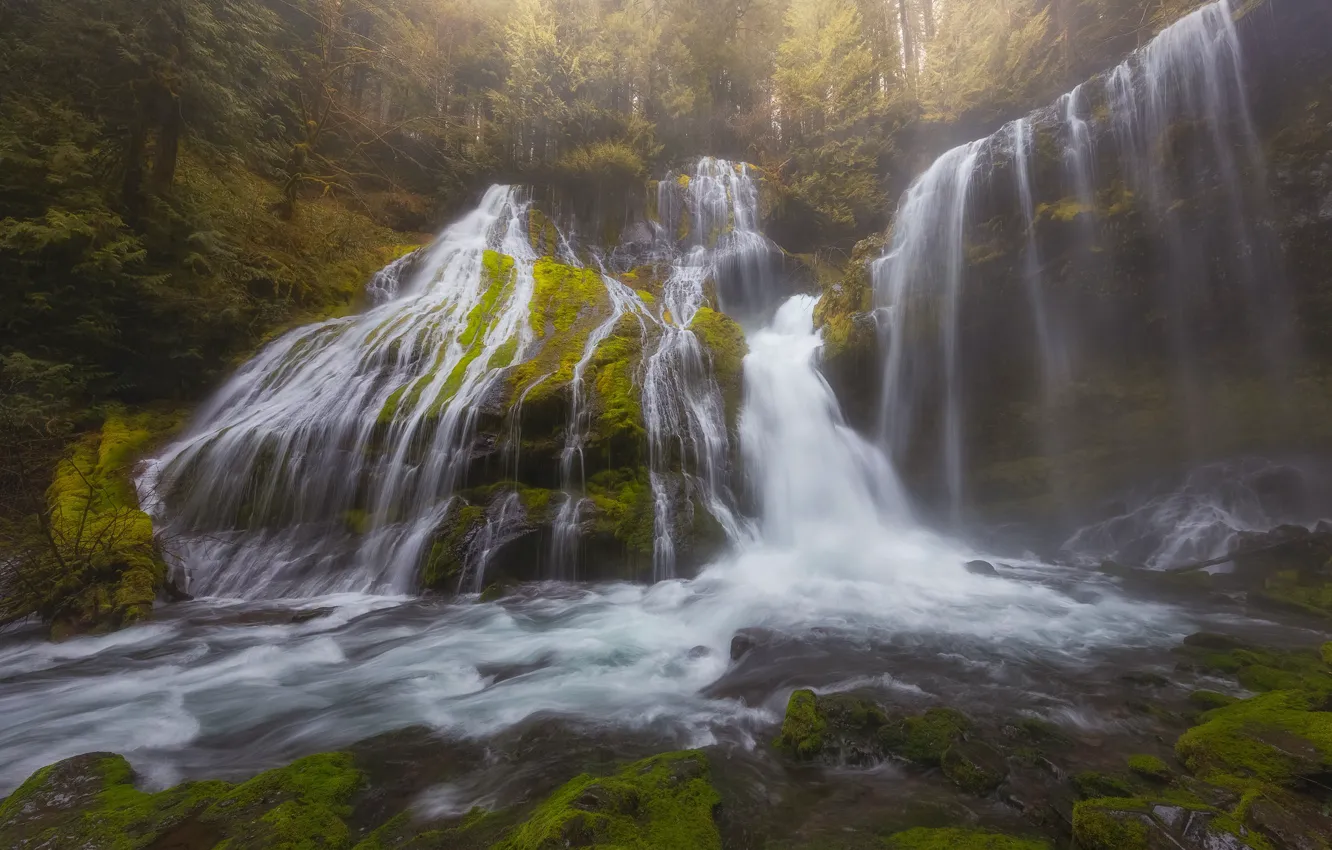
x: 87, y: 560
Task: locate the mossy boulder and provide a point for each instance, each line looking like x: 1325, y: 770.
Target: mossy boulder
x: 91, y: 802
x: 337, y: 801
x: 1275, y: 737
x: 835, y: 728
x: 1149, y: 767
x: 664, y: 802
x: 925, y: 738
x: 924, y: 838
x: 105, y: 567
x: 851, y: 359
x: 803, y: 727
x: 726, y: 346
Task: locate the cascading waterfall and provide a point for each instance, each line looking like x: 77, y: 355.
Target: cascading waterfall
x: 335, y: 457
x: 1189, y: 76
x: 573, y: 477
x: 926, y: 257
x: 682, y: 403
x: 360, y: 421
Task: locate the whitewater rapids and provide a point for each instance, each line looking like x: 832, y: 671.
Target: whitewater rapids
x: 219, y: 687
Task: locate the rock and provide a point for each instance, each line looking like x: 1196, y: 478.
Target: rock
x: 310, y: 614
x: 699, y: 652
x: 1149, y: 767
x: 981, y: 568
x: 924, y: 739
x: 747, y: 639
x: 974, y: 767
x: 1307, y: 830
x: 836, y: 728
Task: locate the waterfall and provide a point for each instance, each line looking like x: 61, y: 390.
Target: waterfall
x: 359, y: 422
x: 926, y: 257
x: 1170, y: 123
x: 811, y: 471
x: 336, y: 458
x: 682, y: 402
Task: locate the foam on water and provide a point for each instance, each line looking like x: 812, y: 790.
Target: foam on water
x: 219, y: 686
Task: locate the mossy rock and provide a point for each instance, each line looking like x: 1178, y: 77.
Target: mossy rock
x: 836, y: 728
x: 726, y: 346
x: 1149, y: 767
x: 1091, y: 784
x: 803, y: 727
x: 924, y: 838
x: 1112, y: 824
x: 974, y: 767
x: 90, y: 802
x: 925, y: 739
x: 665, y: 802
x: 114, y: 571
x: 1275, y: 737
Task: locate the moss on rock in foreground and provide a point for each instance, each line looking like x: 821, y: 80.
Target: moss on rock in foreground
x: 665, y: 803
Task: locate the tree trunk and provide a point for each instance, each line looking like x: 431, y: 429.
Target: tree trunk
x: 927, y: 15
x: 908, y: 40
x: 168, y: 147
x: 131, y: 186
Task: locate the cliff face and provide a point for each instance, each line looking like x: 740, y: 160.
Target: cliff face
x: 1183, y: 291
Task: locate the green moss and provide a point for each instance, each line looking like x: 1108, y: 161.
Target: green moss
x: 356, y: 521
x: 389, y: 411
x: 298, y: 807
x: 623, y: 499
x: 1110, y: 824
x: 1274, y: 737
x: 803, y: 727
x: 536, y: 502
x: 91, y: 802
x: 967, y: 769
x: 504, y: 355
x: 960, y: 839
x: 110, y: 570
x: 1326, y: 653
x: 1149, y: 766
x: 1063, y: 210
x: 1258, y: 668
x: 1208, y: 700
x: 562, y: 292
x: 614, y: 372
x: 726, y: 345
x: 661, y: 803
x: 924, y: 739
x: 567, y: 303
x: 1091, y: 784
x: 448, y: 552
x: 542, y: 234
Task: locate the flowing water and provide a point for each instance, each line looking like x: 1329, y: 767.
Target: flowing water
x: 225, y: 686
x: 1175, y: 118
x: 302, y: 637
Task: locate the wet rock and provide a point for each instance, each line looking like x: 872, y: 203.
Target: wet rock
x: 1291, y: 830
x: 52, y: 796
x: 836, y: 728
x: 924, y: 739
x: 974, y: 767
x: 1149, y: 767
x: 981, y: 568
x: 747, y: 639
x: 1092, y: 785
x: 699, y: 652
x: 311, y: 614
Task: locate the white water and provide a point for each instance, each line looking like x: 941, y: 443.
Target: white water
x: 1189, y: 75
x: 252, y: 500
x: 220, y: 686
